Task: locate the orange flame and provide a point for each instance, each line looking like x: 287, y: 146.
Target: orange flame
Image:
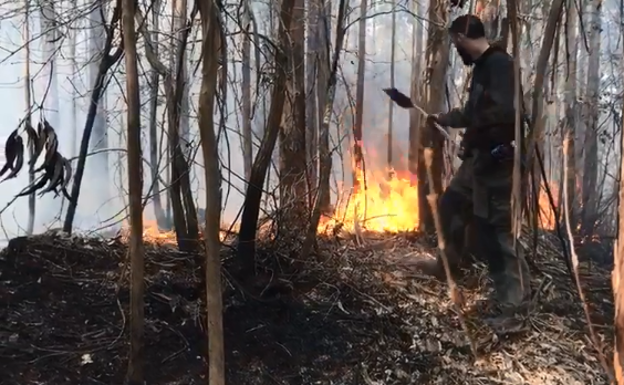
x: 384, y: 202
x: 547, y: 214
x: 155, y: 236
x: 389, y: 203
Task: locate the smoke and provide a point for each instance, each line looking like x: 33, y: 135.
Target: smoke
x: 103, y: 195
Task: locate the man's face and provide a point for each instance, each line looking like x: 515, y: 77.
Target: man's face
x: 461, y: 43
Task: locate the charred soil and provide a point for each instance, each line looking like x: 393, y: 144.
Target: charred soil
x: 353, y: 315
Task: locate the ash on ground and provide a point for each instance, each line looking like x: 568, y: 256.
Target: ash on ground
x: 352, y: 314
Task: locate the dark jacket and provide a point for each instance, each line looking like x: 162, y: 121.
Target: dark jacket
x: 489, y: 112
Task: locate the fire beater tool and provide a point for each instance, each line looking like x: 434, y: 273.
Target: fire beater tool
x: 404, y: 101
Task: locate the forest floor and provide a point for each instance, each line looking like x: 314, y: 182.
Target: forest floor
x: 351, y: 315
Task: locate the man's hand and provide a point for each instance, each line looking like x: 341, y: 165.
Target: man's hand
x: 432, y: 119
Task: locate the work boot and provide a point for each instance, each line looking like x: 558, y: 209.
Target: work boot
x: 434, y: 267
x: 431, y: 267
x: 511, y: 297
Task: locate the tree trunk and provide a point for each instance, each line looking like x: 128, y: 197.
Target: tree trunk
x: 107, y: 61
x: 178, y: 61
x: 180, y: 145
x: 617, y: 280
x: 212, y: 45
x: 571, y: 104
x: 74, y: 94
x: 489, y: 13
x: 251, y: 207
x: 246, y: 102
x: 391, y: 103
x: 358, y: 161
x: 135, y: 188
x: 537, y: 109
x: 293, y: 167
x: 324, y: 75
x: 98, y: 164
x: 50, y: 95
x: 415, y: 88
x: 184, y: 211
x: 159, y: 212
x: 437, y: 60
x: 312, y: 71
x: 590, y: 158
x: 28, y: 121
x: 617, y: 276
x: 325, y: 156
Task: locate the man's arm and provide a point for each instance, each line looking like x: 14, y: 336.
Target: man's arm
x: 455, y: 118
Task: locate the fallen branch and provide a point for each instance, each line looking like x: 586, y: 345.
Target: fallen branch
x: 454, y: 292
x: 575, y: 267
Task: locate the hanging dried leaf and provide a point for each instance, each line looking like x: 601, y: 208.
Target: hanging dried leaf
x: 39, y: 146
x: 57, y: 170
x: 19, y: 158
x: 32, y: 135
x: 51, y: 143
x: 11, y: 149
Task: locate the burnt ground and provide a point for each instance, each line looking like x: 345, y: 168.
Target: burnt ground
x: 350, y: 316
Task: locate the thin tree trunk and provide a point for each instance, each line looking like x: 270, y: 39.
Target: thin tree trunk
x: 74, y: 93
x: 98, y: 164
x: 184, y: 212
x: 212, y: 44
x: 178, y: 114
x: 324, y: 75
x: 325, y: 156
x: 246, y: 73
x: 293, y: 167
x: 179, y: 62
x: 590, y: 159
x: 617, y: 281
x: 161, y: 218
x: 50, y: 96
x: 537, y: 109
x: 358, y: 156
x: 28, y: 99
x: 571, y: 104
x: 106, y: 63
x: 251, y: 207
x: 135, y: 188
x: 438, y: 46
x: 415, y: 88
x: 391, y: 103
x: 312, y: 71
x: 617, y: 276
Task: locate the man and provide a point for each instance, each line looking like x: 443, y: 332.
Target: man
x: 483, y: 183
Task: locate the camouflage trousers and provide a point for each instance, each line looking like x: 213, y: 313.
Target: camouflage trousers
x: 483, y: 199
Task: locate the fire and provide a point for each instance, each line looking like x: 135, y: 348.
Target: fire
x: 547, y: 214
x: 388, y: 202
x: 384, y: 202
x: 152, y: 234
